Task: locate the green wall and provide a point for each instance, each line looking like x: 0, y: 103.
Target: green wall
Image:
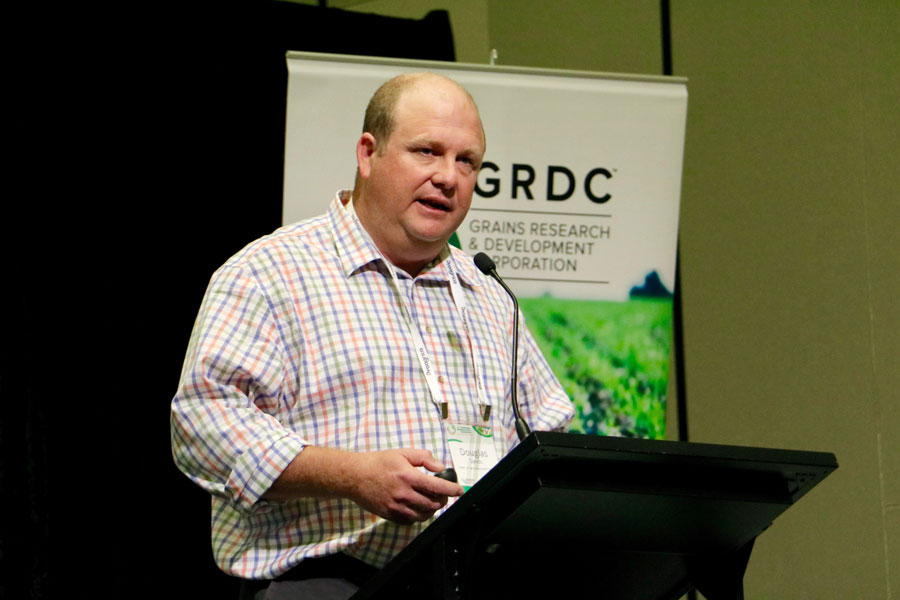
x: 791, y: 277
x: 790, y: 250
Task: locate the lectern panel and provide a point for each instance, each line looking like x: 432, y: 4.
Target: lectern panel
x: 562, y: 512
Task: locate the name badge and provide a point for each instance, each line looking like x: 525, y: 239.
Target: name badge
x: 472, y: 450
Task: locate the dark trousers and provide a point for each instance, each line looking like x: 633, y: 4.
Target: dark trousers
x: 335, y: 577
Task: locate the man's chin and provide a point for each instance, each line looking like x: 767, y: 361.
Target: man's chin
x: 432, y: 235
x: 432, y: 243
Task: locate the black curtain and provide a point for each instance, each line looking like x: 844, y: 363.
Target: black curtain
x: 148, y: 147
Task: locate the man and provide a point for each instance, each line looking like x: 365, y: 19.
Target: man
x: 329, y: 358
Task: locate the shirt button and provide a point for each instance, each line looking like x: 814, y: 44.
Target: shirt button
x: 440, y: 379
x: 428, y: 329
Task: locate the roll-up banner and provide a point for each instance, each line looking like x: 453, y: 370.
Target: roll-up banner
x: 576, y: 202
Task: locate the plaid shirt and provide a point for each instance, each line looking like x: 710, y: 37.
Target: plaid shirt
x: 301, y: 340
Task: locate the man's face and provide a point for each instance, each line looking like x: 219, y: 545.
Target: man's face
x: 419, y: 184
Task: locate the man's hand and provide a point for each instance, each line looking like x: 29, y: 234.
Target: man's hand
x: 392, y: 487
x: 387, y: 483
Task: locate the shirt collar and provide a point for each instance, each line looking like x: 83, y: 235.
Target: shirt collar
x: 356, y: 249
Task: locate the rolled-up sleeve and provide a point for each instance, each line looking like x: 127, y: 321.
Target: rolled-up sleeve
x: 226, y: 432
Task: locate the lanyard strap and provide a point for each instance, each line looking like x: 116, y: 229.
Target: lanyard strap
x: 425, y: 361
x: 459, y: 299
x: 422, y: 354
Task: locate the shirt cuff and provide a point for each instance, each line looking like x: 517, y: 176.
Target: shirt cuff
x: 258, y: 467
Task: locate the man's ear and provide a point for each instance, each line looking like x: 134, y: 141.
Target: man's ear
x: 365, y: 151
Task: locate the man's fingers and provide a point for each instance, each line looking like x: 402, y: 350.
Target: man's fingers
x: 431, y: 485
x: 435, y: 487
x: 423, y: 458
x: 415, y: 508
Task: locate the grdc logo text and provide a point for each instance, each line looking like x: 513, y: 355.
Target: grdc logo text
x: 560, y: 182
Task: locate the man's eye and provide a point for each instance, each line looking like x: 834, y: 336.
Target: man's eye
x: 425, y: 151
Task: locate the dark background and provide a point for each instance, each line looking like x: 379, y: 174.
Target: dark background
x: 147, y: 148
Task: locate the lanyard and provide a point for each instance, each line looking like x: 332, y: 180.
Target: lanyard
x: 459, y: 299
x: 425, y: 361
x: 422, y: 354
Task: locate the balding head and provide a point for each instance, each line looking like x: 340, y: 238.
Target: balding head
x: 379, y: 118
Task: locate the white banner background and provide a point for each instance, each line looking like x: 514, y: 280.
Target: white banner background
x: 631, y: 128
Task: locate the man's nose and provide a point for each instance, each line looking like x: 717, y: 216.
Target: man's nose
x: 445, y: 175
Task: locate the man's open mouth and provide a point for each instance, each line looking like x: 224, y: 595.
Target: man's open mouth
x: 435, y: 204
